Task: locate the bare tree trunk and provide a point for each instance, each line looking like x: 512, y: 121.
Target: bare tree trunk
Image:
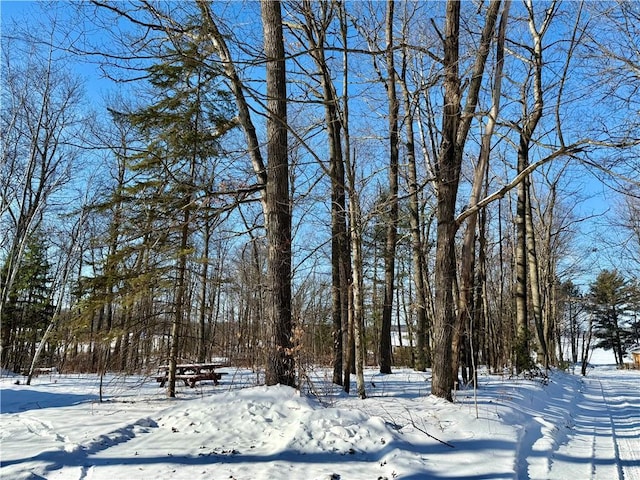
x: 534, y: 277
x: 274, y: 179
x: 551, y: 239
x: 204, y: 273
x: 526, y: 261
x: 467, y: 255
x: 550, y: 318
x: 316, y: 30
x: 447, y: 188
x: 422, y: 341
x: 455, y: 127
x: 348, y: 302
x: 358, y: 286
x: 483, y: 317
x: 339, y: 265
x: 180, y: 298
x: 355, y: 332
x: 392, y: 200
x: 521, y: 303
x: 280, y: 364
x: 586, y: 346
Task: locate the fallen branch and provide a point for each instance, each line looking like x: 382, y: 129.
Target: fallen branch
x: 413, y: 423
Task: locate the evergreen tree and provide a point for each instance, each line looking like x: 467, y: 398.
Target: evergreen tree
x: 611, y: 296
x: 29, y: 308
x: 166, y: 197
x: 182, y: 128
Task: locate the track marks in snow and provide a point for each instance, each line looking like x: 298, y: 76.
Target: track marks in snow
x: 614, y: 436
x: 605, y: 437
x: 588, y: 429
x: 545, y: 421
x: 623, y: 408
x: 75, y: 459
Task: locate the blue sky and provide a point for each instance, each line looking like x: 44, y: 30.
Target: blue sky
x: 597, y: 198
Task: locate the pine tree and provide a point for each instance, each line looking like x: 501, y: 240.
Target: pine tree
x: 29, y: 308
x: 165, y: 199
x: 277, y: 209
x: 611, y: 295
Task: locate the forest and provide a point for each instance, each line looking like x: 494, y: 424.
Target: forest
x: 438, y: 185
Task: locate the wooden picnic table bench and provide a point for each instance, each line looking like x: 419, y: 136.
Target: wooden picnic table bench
x: 191, y: 373
x: 40, y: 371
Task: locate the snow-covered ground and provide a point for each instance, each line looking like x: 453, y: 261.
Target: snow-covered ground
x: 571, y: 428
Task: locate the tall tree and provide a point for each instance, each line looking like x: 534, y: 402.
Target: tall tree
x: 468, y: 250
x: 272, y: 178
x: 611, y: 297
x: 456, y: 121
x: 280, y: 362
x: 527, y: 270
x: 392, y: 200
x: 40, y: 117
x: 409, y: 102
x: 318, y: 17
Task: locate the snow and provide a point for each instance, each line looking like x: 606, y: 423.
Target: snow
x: 567, y: 428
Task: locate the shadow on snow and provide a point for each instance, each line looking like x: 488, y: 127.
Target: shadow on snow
x: 22, y: 400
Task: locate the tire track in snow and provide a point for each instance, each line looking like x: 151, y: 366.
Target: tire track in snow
x: 545, y: 428
x: 614, y: 436
x: 604, y: 441
x: 625, y: 428
x: 593, y: 424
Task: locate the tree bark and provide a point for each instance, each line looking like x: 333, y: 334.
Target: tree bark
x: 456, y: 122
x: 534, y: 277
x: 448, y: 173
x: 423, y: 353
x: 315, y: 30
x: 392, y: 200
x: 204, y: 274
x: 526, y: 260
x: 358, y: 289
x: 521, y: 297
x: 280, y: 363
x: 180, y: 300
x: 467, y: 255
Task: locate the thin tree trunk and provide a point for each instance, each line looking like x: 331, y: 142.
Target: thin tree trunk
x: 358, y: 289
x: 586, y: 346
x: 201, y: 348
x: 348, y: 302
x: 316, y: 36
x: 180, y: 299
x: 521, y: 303
x: 417, y: 255
x: 484, y: 318
x: 534, y: 277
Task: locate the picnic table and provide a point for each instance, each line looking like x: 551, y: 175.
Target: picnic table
x: 191, y: 373
x: 40, y: 371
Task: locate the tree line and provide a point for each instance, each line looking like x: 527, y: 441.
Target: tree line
x: 290, y: 183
